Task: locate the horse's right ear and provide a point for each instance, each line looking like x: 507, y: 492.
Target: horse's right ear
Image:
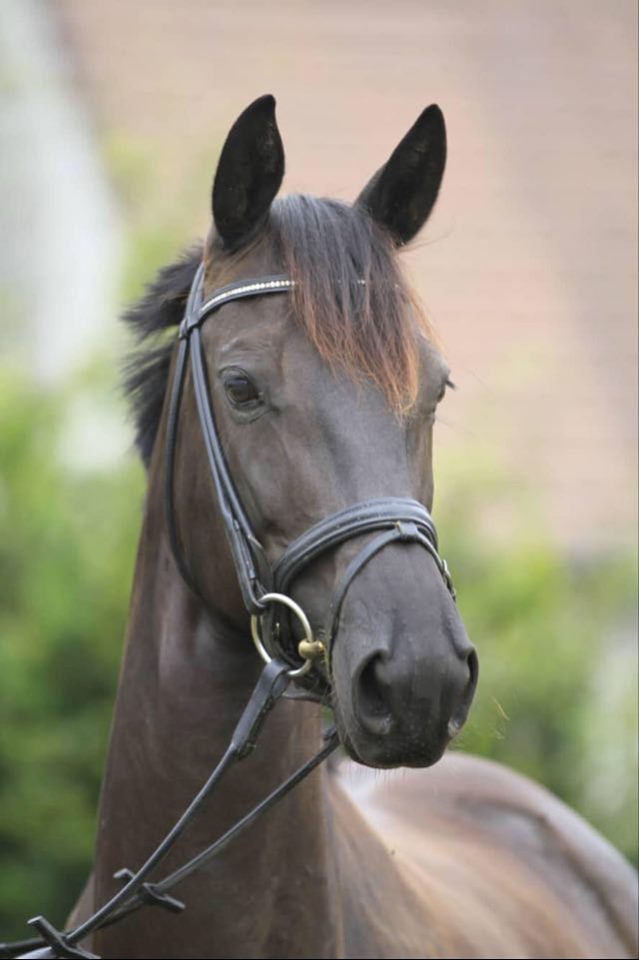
x: 402, y: 193
x: 249, y: 174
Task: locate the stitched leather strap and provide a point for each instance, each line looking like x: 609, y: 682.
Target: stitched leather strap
x: 358, y: 519
x: 252, y: 568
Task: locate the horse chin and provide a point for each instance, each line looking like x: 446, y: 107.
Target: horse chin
x: 387, y: 751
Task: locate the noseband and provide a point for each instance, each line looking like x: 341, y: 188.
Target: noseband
x: 395, y: 519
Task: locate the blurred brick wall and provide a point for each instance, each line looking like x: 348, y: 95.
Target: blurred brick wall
x: 528, y: 265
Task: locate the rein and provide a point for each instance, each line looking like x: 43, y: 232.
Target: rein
x: 395, y: 520
x: 137, y: 892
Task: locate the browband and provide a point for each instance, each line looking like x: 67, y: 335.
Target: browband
x: 197, y: 314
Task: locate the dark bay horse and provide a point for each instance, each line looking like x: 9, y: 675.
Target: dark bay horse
x: 323, y: 398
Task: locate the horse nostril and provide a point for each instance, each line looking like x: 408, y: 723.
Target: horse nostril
x: 373, y: 695
x: 458, y: 718
x: 473, y: 668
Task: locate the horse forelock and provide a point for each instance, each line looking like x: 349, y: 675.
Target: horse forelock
x: 350, y: 295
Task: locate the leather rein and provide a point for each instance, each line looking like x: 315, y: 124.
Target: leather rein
x: 264, y: 592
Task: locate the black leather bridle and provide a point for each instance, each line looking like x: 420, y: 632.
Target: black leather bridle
x: 395, y: 519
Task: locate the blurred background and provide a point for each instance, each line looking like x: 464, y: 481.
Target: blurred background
x: 112, y: 115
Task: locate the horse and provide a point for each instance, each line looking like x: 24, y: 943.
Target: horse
x: 321, y: 377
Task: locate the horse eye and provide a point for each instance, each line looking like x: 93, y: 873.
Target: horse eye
x: 240, y: 390
x: 447, y: 383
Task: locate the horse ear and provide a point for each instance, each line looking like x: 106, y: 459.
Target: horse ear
x: 249, y: 173
x: 403, y: 192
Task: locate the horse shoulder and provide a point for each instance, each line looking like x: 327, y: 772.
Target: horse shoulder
x: 497, y: 859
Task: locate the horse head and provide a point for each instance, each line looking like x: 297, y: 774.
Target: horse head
x: 323, y: 400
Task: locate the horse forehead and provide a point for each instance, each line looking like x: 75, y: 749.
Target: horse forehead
x: 264, y: 332
x: 256, y: 326
x: 433, y: 363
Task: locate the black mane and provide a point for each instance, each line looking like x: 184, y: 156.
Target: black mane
x: 147, y: 369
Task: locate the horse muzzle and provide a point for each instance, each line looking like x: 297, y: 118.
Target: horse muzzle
x: 403, y: 670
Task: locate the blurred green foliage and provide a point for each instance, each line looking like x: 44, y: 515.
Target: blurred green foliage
x: 557, y: 642
x: 67, y: 543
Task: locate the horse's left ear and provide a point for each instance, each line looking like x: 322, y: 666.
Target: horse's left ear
x: 402, y: 193
x: 249, y: 174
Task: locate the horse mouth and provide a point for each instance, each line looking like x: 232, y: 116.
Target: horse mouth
x: 395, y: 747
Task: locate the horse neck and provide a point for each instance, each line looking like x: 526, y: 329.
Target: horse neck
x: 185, y: 680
